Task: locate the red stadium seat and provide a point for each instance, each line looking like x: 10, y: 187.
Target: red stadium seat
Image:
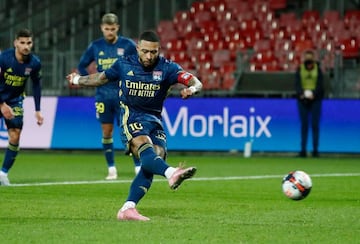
x: 217, y: 6
x: 278, y: 34
x: 235, y: 47
x: 178, y: 57
x: 286, y: 18
x: 269, y: 26
x: 238, y: 7
x: 227, y: 68
x: 277, y: 4
x: 201, y: 17
x: 185, y: 27
x: 319, y: 38
x: 197, y: 7
x: 227, y: 15
x: 260, y: 6
x: 289, y: 61
x: 300, y: 35
x: 195, y: 45
x: 213, y: 36
x: 230, y: 26
x: 220, y: 57
x: 192, y: 35
x: 208, y: 26
x: 233, y: 36
x: 166, y: 31
x: 249, y: 25
x: 228, y: 81
x: 272, y: 66
x: 175, y: 45
x: 262, y: 45
x: 202, y: 57
x: 245, y: 16
x: 213, y: 80
x: 351, y: 16
x: 181, y: 16
x: 282, y: 45
x: 216, y: 45
x: 349, y: 48
x: 340, y: 34
x: 310, y: 16
x: 251, y: 36
x: 292, y: 26
x: 330, y: 16
x: 210, y: 78
x: 303, y: 45
x: 264, y: 61
x: 264, y: 56
x: 336, y: 26
x: 328, y: 45
x: 265, y: 16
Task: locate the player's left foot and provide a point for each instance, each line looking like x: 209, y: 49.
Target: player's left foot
x: 180, y: 175
x: 131, y: 214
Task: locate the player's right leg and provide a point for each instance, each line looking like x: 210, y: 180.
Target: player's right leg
x: 14, y: 131
x: 108, y: 148
x: 106, y: 114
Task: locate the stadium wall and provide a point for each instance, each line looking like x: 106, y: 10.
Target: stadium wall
x: 200, y: 124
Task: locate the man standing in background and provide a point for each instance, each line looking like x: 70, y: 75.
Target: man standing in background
x: 309, y: 92
x: 104, y: 52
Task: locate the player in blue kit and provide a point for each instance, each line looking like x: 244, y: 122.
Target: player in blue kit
x: 104, y: 52
x: 145, y: 79
x: 16, y: 66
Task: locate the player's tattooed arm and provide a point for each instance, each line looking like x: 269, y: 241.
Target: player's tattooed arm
x: 96, y: 79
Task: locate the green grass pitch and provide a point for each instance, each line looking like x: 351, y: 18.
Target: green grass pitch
x: 61, y: 197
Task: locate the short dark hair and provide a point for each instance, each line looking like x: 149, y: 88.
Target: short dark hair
x: 150, y: 36
x: 24, y: 33
x: 109, y: 19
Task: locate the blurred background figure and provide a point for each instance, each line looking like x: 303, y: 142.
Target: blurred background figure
x: 309, y: 92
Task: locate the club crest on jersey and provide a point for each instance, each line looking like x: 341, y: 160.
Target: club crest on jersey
x: 120, y: 51
x: 157, y: 75
x: 27, y: 71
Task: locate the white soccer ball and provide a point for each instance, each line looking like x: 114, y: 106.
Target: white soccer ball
x: 296, y: 185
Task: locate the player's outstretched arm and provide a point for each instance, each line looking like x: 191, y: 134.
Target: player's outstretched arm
x: 96, y: 79
x: 194, y: 86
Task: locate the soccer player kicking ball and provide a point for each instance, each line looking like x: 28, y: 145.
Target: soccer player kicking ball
x: 145, y: 79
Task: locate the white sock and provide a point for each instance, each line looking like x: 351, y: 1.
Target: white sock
x: 169, y: 172
x: 127, y: 205
x: 3, y: 173
x: 112, y: 169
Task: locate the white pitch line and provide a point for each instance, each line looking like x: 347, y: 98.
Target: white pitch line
x: 253, y: 177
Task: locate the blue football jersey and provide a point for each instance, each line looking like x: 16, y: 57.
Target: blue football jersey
x: 104, y: 54
x: 144, y: 90
x: 14, y: 75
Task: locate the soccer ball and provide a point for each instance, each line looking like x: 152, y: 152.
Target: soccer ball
x: 296, y: 185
